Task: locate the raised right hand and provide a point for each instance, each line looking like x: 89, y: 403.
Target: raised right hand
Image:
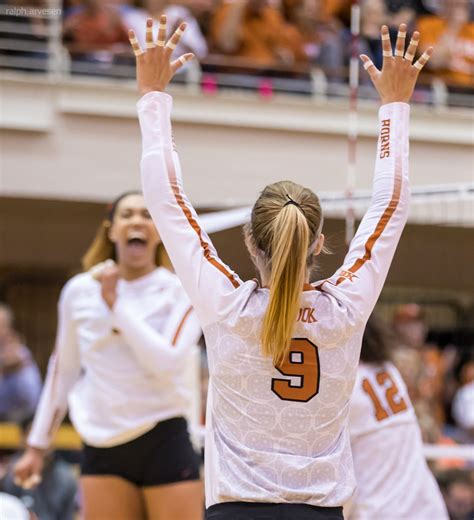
x: 397, y: 79
x: 29, y: 467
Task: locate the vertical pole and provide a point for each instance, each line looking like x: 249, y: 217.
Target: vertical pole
x: 353, y: 120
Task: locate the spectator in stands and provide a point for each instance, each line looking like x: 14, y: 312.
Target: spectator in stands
x: 256, y: 31
x: 457, y: 488
x: 453, y: 33
x: 55, y: 496
x: 401, y: 11
x: 373, y: 15
x: 202, y: 10
x: 322, y: 33
x: 463, y: 404
x: 94, y: 32
x: 20, y: 380
x: 191, y: 41
x: 421, y: 366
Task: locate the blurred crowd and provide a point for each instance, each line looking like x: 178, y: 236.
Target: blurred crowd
x: 284, y: 35
x: 440, y: 382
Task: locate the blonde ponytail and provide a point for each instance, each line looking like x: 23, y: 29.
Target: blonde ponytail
x: 288, y: 270
x: 284, y: 231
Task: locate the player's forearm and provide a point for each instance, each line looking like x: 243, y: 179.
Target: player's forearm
x: 153, y: 351
x: 391, y: 182
x: 359, y: 282
x: 172, y: 213
x: 52, y: 406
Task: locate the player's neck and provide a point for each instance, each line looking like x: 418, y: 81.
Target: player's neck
x: 132, y: 273
x: 265, y: 278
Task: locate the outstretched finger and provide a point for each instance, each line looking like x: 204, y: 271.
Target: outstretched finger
x: 369, y: 66
x: 137, y: 50
x: 174, y: 40
x: 386, y: 45
x: 162, y: 31
x: 182, y: 60
x: 423, y: 60
x: 411, y: 51
x: 149, y: 34
x: 401, y: 37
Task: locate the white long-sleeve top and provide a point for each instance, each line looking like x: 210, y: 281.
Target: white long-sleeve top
x: 393, y: 478
x: 120, y: 371
x: 278, y: 435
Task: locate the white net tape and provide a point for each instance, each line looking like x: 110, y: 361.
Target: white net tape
x: 448, y: 204
x: 431, y: 451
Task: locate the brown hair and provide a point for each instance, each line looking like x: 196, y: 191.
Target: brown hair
x: 378, y: 341
x: 286, y: 221
x: 102, y: 248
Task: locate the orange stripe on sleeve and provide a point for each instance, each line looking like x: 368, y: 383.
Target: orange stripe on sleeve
x: 180, y: 326
x: 382, y: 223
x: 192, y: 221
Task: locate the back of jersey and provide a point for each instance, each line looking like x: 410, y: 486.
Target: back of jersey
x: 279, y: 434
x: 393, y: 479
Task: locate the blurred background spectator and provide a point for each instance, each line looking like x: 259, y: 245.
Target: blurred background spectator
x: 55, y: 497
x: 322, y: 33
x: 272, y: 38
x: 256, y: 31
x: 20, y: 380
x: 373, y: 15
x: 463, y: 404
x: 421, y: 366
x: 94, y: 32
x: 452, y: 31
x: 458, y: 490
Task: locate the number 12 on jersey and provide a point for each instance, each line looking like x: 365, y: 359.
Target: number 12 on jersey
x: 395, y: 402
x: 302, y: 361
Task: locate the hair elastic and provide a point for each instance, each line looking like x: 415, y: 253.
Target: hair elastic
x: 291, y: 201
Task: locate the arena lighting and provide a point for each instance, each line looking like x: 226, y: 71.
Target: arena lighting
x: 336, y: 201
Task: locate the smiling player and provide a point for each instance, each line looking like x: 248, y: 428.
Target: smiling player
x: 125, y: 332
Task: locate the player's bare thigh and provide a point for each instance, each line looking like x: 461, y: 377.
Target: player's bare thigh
x: 177, y: 501
x: 111, y: 497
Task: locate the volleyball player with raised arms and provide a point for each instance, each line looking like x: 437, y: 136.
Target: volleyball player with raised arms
x: 282, y: 357
x: 126, y: 331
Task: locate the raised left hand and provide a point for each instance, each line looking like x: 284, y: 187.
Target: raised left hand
x: 397, y: 79
x: 107, y: 274
x: 154, y: 66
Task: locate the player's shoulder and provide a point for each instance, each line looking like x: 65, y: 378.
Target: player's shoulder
x: 77, y: 286
x: 77, y: 283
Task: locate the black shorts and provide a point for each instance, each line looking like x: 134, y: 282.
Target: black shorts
x: 162, y: 455
x: 267, y: 511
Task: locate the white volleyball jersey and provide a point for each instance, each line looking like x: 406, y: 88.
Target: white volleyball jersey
x: 277, y: 435
x: 393, y: 479
x: 120, y: 371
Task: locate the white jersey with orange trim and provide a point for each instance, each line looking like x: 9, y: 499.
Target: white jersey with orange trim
x: 277, y: 435
x: 120, y: 371
x: 393, y: 478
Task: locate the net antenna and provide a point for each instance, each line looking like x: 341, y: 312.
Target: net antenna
x: 353, y: 119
